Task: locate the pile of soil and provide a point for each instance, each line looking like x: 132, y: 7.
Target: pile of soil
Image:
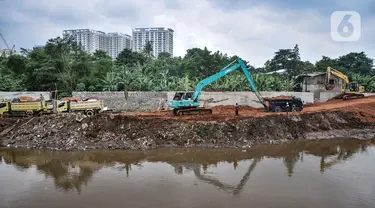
x: 281, y: 97
x: 110, y: 131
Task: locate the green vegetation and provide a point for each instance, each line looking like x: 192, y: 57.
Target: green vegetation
x: 64, y: 66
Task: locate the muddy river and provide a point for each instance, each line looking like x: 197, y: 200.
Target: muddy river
x: 339, y: 173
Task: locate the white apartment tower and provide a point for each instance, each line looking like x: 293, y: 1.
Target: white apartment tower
x: 92, y: 40
x: 160, y: 37
x: 117, y: 42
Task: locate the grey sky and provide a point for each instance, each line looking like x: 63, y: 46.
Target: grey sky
x: 251, y: 29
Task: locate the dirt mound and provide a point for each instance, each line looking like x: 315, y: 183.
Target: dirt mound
x: 71, y: 99
x: 70, y: 131
x: 281, y: 97
x: 27, y: 99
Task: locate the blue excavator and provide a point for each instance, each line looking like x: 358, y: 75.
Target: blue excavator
x: 187, y: 103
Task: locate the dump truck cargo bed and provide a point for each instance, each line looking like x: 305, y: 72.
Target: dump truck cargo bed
x: 86, y: 105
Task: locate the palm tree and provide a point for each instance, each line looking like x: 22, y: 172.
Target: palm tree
x: 110, y: 81
x: 147, y: 50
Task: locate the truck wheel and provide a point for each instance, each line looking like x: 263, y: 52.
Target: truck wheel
x: 294, y: 108
x: 29, y: 113
x: 175, y: 112
x: 277, y: 109
x: 89, y: 113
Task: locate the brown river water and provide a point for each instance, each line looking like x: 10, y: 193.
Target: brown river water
x: 326, y: 173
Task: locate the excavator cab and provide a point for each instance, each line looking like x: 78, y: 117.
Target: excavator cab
x: 353, y: 87
x: 183, y: 95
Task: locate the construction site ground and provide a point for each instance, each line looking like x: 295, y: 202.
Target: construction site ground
x: 361, y: 106
x: 134, y: 131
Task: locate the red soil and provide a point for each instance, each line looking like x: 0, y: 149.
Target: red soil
x: 364, y: 108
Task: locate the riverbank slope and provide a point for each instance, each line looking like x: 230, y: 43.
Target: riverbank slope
x: 118, y: 131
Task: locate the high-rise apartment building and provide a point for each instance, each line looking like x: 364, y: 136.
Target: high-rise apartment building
x: 160, y: 37
x: 93, y: 40
x: 117, y: 42
x: 90, y: 40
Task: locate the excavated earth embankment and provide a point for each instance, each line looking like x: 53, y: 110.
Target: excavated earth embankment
x: 109, y: 131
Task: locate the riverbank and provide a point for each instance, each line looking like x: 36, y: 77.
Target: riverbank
x: 138, y: 131
x: 117, y: 131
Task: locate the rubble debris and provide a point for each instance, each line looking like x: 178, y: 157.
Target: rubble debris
x: 63, y: 132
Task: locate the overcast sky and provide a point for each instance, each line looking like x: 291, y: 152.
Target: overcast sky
x: 252, y: 29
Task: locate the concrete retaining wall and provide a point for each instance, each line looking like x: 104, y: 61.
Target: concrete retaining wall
x: 249, y: 98
x: 152, y: 101
x: 137, y: 101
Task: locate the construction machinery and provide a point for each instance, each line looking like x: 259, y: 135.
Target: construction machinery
x: 29, y: 108
x: 188, y: 103
x: 89, y: 108
x: 348, y: 90
x: 8, y: 51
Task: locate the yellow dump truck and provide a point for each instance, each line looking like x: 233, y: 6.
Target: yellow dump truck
x: 31, y: 108
x: 89, y: 108
x: 22, y: 108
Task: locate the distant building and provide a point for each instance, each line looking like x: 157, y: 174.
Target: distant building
x: 90, y: 40
x: 160, y: 37
x: 5, y: 53
x: 93, y: 40
x: 315, y: 82
x: 116, y: 43
x: 280, y: 71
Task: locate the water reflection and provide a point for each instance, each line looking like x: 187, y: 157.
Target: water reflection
x: 235, y: 190
x: 71, y: 171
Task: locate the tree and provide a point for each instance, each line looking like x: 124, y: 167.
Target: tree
x: 164, y: 55
x: 63, y: 64
x: 16, y: 64
x: 148, y: 49
x: 325, y: 62
x: 288, y: 59
x: 357, y: 63
x: 100, y: 55
x: 130, y: 58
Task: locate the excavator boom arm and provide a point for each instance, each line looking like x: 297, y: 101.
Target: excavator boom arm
x: 224, y: 71
x: 337, y: 74
x: 5, y: 42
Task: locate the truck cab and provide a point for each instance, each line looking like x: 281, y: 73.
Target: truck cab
x: 4, y: 107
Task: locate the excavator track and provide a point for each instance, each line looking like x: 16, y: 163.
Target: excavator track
x: 192, y: 111
x: 347, y: 96
x: 352, y: 96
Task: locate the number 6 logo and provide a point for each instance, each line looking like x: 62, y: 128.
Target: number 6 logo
x: 345, y: 26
